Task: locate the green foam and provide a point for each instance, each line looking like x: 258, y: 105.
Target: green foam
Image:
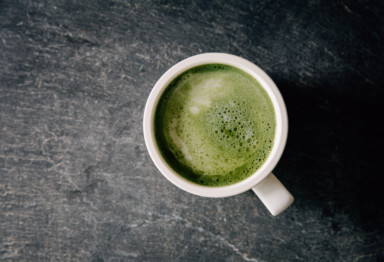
x: 215, y: 125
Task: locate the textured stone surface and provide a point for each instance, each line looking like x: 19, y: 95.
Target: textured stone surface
x: 76, y: 182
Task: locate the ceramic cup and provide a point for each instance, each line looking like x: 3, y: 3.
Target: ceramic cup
x: 266, y: 186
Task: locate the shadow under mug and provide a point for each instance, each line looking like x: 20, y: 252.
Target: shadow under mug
x: 266, y: 186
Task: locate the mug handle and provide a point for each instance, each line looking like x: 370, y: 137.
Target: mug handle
x: 273, y: 194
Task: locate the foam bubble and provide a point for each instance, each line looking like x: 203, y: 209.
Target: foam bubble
x: 194, y: 110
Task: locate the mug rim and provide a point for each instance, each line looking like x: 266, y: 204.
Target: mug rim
x: 281, y: 130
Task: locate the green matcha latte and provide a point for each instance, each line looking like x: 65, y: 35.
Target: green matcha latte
x: 215, y: 125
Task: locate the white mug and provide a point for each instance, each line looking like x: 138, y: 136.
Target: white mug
x: 266, y: 186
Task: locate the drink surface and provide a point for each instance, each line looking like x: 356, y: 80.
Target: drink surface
x: 215, y: 125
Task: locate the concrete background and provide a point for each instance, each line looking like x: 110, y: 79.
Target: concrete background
x: 76, y: 181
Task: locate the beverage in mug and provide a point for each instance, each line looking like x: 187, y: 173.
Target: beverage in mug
x: 215, y: 125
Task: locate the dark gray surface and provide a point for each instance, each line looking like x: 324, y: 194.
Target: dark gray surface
x: 78, y: 185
